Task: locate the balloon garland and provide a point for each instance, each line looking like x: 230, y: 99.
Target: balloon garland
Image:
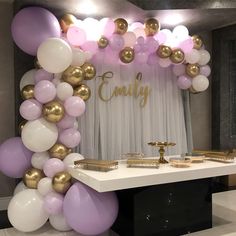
x: 54, y: 95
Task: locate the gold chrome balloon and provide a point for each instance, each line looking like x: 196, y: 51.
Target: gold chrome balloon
x: 89, y: 71
x: 59, y: 151
x: 27, y: 92
x: 197, y: 41
x: 21, y: 126
x: 66, y: 21
x: 61, y: 182
x: 32, y: 176
x: 192, y: 70
x: 73, y: 75
x: 36, y: 64
x: 177, y: 56
x: 83, y: 91
x: 53, y: 111
x: 151, y: 26
x: 127, y: 55
x: 164, y: 51
x: 103, y: 42
x: 121, y: 26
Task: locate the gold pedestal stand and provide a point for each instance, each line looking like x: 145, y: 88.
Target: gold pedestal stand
x: 161, y: 146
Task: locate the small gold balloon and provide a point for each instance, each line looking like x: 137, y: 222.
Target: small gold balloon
x: 36, y: 64
x: 151, y: 26
x: 103, y: 42
x: 66, y: 21
x: 127, y: 55
x: 192, y: 90
x: 21, y: 125
x: 89, y: 71
x: 164, y: 51
x: 61, y: 182
x: 73, y: 75
x: 177, y: 56
x: 83, y: 91
x: 58, y: 151
x: 53, y: 111
x: 192, y: 70
x: 27, y: 92
x: 32, y: 176
x: 121, y: 26
x: 197, y: 41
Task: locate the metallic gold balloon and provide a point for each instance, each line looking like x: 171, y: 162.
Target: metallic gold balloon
x: 53, y: 111
x: 103, y: 42
x: 21, y: 126
x: 121, y: 26
x: 27, y: 92
x: 164, y: 51
x: 192, y: 90
x: 66, y: 21
x: 89, y: 71
x: 192, y: 70
x: 197, y: 41
x: 32, y: 176
x: 177, y: 56
x: 61, y: 182
x: 59, y: 151
x: 36, y: 64
x: 73, y: 75
x: 83, y: 91
x: 127, y: 55
x: 151, y: 26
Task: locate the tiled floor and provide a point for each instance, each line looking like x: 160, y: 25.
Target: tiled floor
x: 224, y: 220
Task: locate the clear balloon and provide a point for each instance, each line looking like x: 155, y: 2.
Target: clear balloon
x: 45, y: 186
x: 192, y: 57
x: 53, y: 203
x: 53, y: 166
x: 74, y: 106
x: 184, y: 82
x: 200, y: 83
x: 42, y: 74
x: 26, y: 212
x: 70, y: 137
x: 71, y: 158
x: 38, y: 159
x: 59, y: 223
x: 76, y: 36
x: 204, y: 57
x: 64, y: 91
x: 19, y: 187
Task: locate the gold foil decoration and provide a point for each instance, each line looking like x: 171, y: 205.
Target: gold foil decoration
x: 59, y: 151
x: 177, y: 56
x: 103, y: 42
x: 61, y: 182
x: 53, y: 111
x: 127, y: 55
x: 73, y: 75
x: 21, y: 126
x: 164, y: 51
x: 83, y: 91
x: 197, y: 41
x: 32, y: 176
x: 27, y: 92
x: 66, y: 21
x: 36, y: 64
x: 89, y: 71
x: 192, y: 70
x: 142, y: 163
x: 121, y: 26
x: 151, y: 26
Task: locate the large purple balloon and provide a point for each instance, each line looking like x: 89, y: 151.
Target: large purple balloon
x: 33, y: 25
x: 15, y: 158
x: 89, y: 212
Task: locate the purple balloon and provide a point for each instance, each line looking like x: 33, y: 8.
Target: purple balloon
x: 15, y: 158
x: 66, y: 122
x: 74, y: 106
x: 70, y: 137
x: 141, y: 57
x: 90, y: 46
x: 152, y: 44
x: 160, y: 37
x: 89, y: 212
x: 44, y: 91
x: 116, y: 42
x: 179, y: 69
x: 152, y: 59
x: 53, y: 203
x: 31, y: 109
x: 137, y: 48
x: 53, y: 166
x: 42, y: 74
x: 33, y: 25
x: 187, y: 45
x: 205, y: 70
x: 140, y: 40
x: 184, y: 82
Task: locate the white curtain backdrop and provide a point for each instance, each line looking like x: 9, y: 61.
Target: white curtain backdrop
x: 109, y: 129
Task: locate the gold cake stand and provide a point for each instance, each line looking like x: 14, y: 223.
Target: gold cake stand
x: 162, y: 146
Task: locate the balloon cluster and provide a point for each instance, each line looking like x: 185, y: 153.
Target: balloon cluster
x: 53, y: 98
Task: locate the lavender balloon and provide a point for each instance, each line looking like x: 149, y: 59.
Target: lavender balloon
x: 66, y: 122
x: 74, y: 106
x: 205, y: 70
x: 152, y: 44
x: 141, y: 58
x: 53, y: 203
x: 89, y: 212
x: 33, y: 25
x: 116, y: 42
x: 70, y: 137
x: 42, y: 74
x: 179, y: 69
x: 187, y: 45
x: 30, y: 109
x: 184, y: 82
x: 15, y: 158
x: 53, y: 166
x: 152, y: 59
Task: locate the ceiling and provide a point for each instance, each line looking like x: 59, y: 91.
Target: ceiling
x: 197, y: 15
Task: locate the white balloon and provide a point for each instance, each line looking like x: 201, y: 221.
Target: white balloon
x: 27, y: 78
x: 59, y: 223
x: 192, y: 57
x: 204, y: 57
x: 38, y: 159
x: 45, y: 186
x: 200, y: 83
x: 129, y: 39
x: 19, y: 187
x: 69, y: 159
x: 39, y: 135
x: 180, y: 32
x: 78, y: 57
x: 54, y: 55
x: 26, y: 212
x: 64, y: 91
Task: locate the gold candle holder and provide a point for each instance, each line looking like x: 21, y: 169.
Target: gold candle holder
x: 162, y: 146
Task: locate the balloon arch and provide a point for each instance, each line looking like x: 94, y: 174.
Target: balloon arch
x: 54, y: 95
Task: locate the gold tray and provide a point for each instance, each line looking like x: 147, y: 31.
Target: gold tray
x: 181, y: 163
x: 143, y: 163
